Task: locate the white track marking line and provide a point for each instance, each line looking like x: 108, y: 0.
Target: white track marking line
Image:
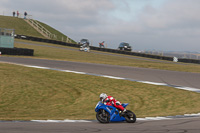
x: 59, y: 121
x: 153, y: 83
x: 138, y: 119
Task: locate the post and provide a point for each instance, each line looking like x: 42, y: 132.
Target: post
x: 67, y: 40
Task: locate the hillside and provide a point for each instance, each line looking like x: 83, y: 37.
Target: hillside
x: 60, y: 36
x: 23, y: 28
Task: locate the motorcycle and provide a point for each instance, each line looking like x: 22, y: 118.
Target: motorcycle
x: 85, y: 47
x: 106, y: 114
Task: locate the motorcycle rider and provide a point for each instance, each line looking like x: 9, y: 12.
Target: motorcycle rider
x: 85, y: 45
x: 109, y: 100
x: 101, y: 44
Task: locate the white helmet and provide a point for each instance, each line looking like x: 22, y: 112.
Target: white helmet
x: 103, y: 96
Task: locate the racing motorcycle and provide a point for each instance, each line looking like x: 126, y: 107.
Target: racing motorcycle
x: 85, y: 48
x: 106, y: 114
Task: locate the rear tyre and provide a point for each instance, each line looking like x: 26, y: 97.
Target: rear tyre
x: 103, y: 116
x: 130, y: 117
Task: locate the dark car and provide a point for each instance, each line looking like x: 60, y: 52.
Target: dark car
x: 84, y: 41
x: 124, y: 46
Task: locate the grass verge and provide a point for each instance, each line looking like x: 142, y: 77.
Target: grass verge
x: 30, y: 93
x: 98, y: 57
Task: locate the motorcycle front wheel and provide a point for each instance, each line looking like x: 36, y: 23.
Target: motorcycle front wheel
x: 130, y: 116
x: 103, y: 116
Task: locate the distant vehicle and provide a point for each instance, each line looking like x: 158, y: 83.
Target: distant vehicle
x: 124, y: 46
x: 86, y: 49
x: 85, y: 45
x: 84, y: 41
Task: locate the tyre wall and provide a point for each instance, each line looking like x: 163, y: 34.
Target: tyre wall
x: 16, y: 51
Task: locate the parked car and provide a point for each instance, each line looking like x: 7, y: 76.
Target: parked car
x: 124, y: 46
x: 84, y: 41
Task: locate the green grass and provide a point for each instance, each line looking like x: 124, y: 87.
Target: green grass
x: 72, y: 55
x: 30, y: 93
x: 21, y: 27
x: 60, y: 36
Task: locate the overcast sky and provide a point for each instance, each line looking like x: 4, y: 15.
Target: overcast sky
x: 145, y: 24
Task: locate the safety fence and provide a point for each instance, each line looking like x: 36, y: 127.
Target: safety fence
x: 108, y: 49
x: 41, y: 28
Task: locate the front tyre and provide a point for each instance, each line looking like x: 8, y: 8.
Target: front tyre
x: 103, y: 116
x: 130, y: 117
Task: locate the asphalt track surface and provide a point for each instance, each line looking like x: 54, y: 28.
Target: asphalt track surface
x: 162, y: 126
x: 144, y: 74
x: 180, y: 125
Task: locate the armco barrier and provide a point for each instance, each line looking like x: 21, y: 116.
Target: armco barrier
x: 189, y: 61
x: 106, y: 49
x: 16, y: 51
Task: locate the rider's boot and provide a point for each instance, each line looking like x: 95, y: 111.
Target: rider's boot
x: 124, y: 112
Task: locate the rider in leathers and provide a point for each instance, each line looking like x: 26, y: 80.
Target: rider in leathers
x: 109, y: 100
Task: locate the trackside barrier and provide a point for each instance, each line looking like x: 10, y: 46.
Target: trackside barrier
x: 17, y: 51
x: 189, y: 61
x: 107, y: 49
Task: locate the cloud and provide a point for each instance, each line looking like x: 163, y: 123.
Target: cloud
x: 174, y: 26
x: 174, y: 14
x: 166, y: 25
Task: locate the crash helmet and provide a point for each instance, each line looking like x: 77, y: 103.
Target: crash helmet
x: 103, y: 96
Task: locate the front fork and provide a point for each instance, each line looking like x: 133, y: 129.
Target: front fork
x: 103, y: 113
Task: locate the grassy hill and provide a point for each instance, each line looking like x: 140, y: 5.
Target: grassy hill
x: 23, y: 28
x: 20, y: 26
x: 60, y: 36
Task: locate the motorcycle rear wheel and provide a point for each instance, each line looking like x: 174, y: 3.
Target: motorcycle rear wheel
x: 103, y: 116
x: 130, y: 116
